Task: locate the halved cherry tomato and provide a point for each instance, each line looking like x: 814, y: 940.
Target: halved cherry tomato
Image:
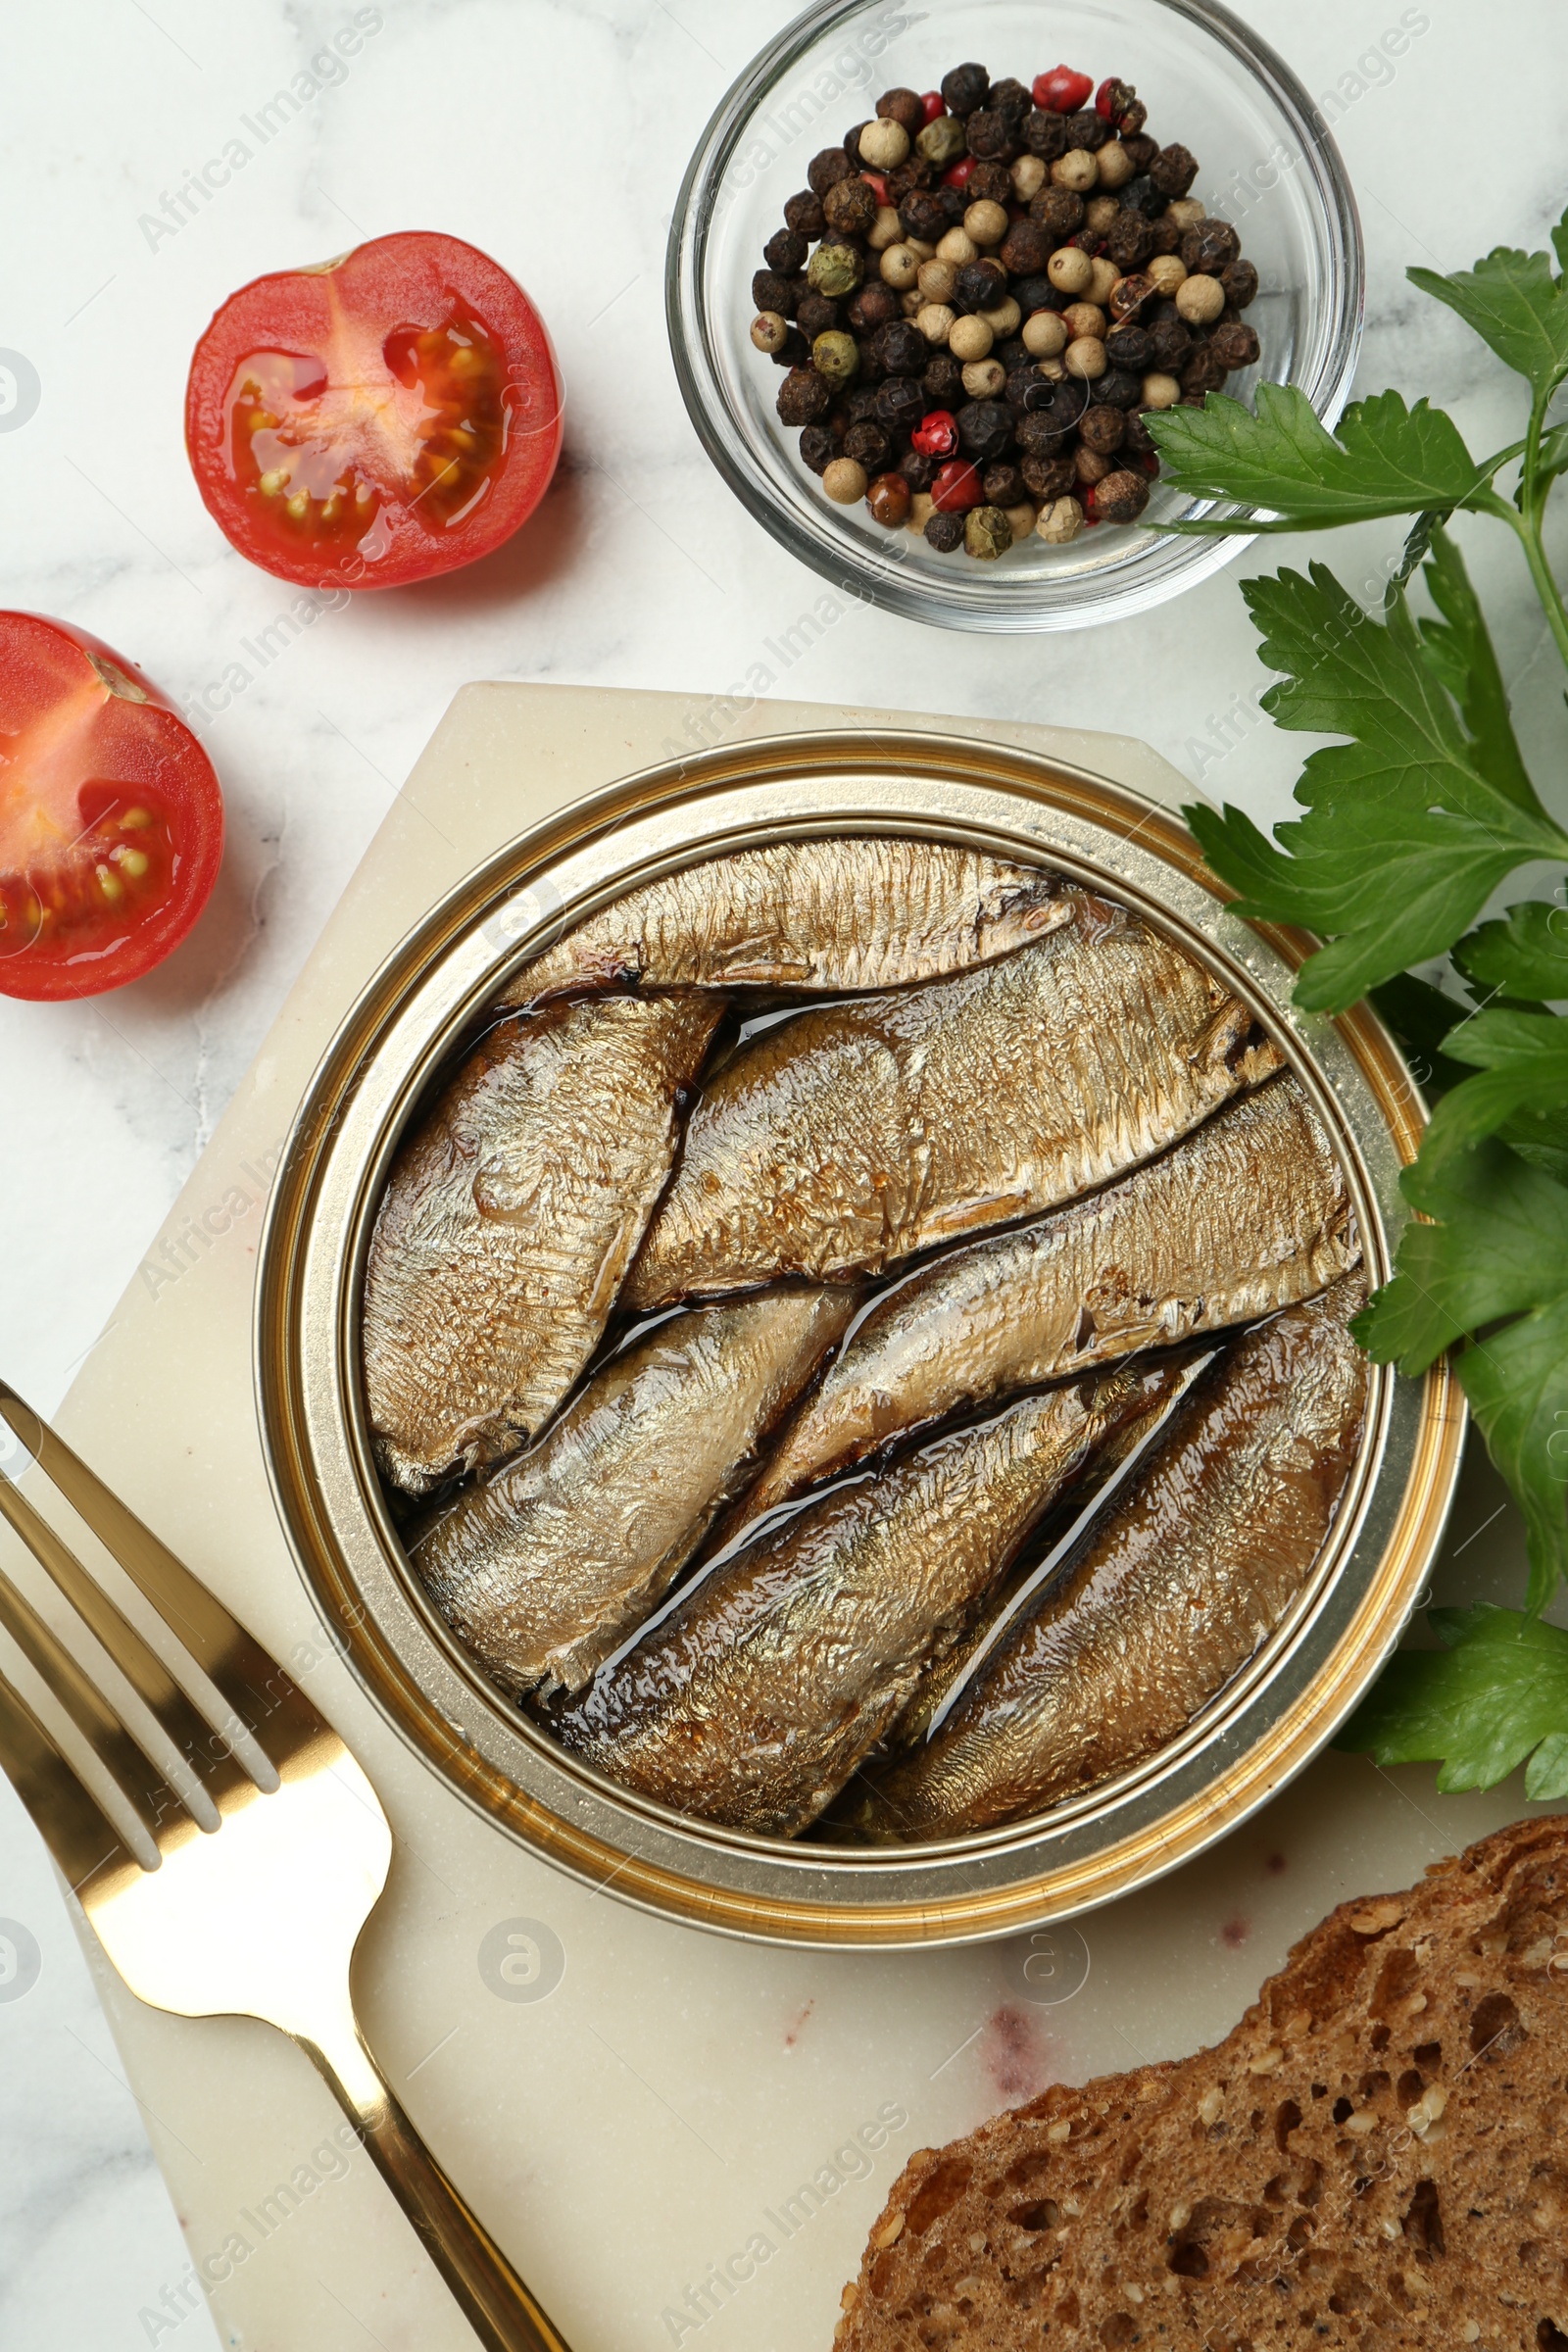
x: 111, y: 819
x: 377, y: 419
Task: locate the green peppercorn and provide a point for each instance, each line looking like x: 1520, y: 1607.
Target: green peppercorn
x: 941, y: 141
x: 835, y: 271
x: 836, y: 356
x: 987, y: 533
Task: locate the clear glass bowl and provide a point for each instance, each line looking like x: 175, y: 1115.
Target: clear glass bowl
x: 1267, y: 165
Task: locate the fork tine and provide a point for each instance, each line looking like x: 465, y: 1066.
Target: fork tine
x: 135, y: 1774
x: 187, y: 1730
x: 254, y: 1685
x: 65, y: 1814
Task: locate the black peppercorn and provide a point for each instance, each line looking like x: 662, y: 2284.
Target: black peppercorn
x: 917, y: 469
x: 827, y: 170
x: 803, y: 397
x: 1102, y: 429
x: 1141, y: 195
x: 1132, y: 119
x: 871, y: 306
x: 1087, y: 129
x: 852, y: 143
x: 793, y: 352
x: 965, y: 88
x: 860, y: 404
x: 980, y: 286
x: 1060, y: 212
x: 1033, y: 294
x: 1117, y: 388
x: 1167, y: 234
x: 1009, y: 96
x: 942, y: 380
x: 818, y: 447
x: 770, y: 292
x: 1025, y: 248
x: 944, y: 532
x: 1138, y: 440
x: 985, y: 428
x: 1023, y: 381
x: 1169, y: 343
x: 1045, y: 134
x: 955, y: 204
x: 912, y: 176
x: 902, y: 348
x: 1203, y: 371
x: 1240, y: 281
x: 1013, y: 352
x: 785, y: 252
x: 1004, y: 485
x: 1128, y: 347
x: 991, y: 183
x: 1209, y: 247
x: 1173, y: 170
x: 1130, y: 240
x: 923, y: 214
x: 1233, y: 344
x: 991, y: 136
x: 899, y: 404
x: 1142, y: 149
x: 1121, y: 497
x: 868, y: 445
x: 849, y: 207
x: 1047, y: 478
x: 1043, y: 430
x: 903, y: 107
x: 816, y: 314
x: 803, y: 214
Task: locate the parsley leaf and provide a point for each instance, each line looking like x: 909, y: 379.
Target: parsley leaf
x: 1387, y: 460
x: 1524, y: 956
x: 1515, y: 304
x: 1420, y: 1018
x: 1405, y: 838
x: 1498, y: 1691
x: 1459, y: 653
x: 1523, y: 1057
x: 1501, y: 1245
x: 1500, y: 1250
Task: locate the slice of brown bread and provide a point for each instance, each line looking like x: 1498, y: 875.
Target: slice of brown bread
x: 1377, y: 2155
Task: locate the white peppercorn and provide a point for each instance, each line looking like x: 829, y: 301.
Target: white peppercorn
x: 770, y: 331
x: 986, y: 223
x: 844, y: 481
x: 921, y: 248
x: 1085, y: 357
x: 1077, y: 170
x: 1058, y: 522
x: 1028, y: 176
x: 1167, y: 272
x: 921, y: 510
x: 1100, y: 212
x: 1003, y: 320
x: 983, y: 379
x: 1044, y: 335
x: 883, y: 145
x: 937, y: 280
x: 911, y: 302
x: 1103, y: 277
x: 1116, y: 167
x: 884, y: 230
x: 1084, y: 318
x: 969, y: 339
x: 1021, y: 519
x: 936, y: 321
x: 1070, y: 269
x: 899, y: 267
x: 957, y: 247
x: 1185, y: 210
x: 1160, y: 391
x: 1200, y: 300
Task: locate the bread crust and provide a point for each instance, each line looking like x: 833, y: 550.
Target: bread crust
x: 1376, y: 2156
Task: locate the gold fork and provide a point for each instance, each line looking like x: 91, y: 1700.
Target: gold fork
x: 249, y: 1895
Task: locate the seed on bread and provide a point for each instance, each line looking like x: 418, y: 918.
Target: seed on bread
x: 1373, y: 2157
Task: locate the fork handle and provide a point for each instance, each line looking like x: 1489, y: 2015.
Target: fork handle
x: 500, y: 2309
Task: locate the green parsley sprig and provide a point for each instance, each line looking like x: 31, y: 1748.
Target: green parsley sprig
x: 1414, y: 819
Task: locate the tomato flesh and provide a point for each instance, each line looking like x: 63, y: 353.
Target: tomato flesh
x: 111, y: 817
x: 390, y: 417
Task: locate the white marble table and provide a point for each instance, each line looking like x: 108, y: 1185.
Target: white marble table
x: 640, y: 569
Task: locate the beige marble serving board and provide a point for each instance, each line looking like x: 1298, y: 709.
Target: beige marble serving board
x: 687, y: 2137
